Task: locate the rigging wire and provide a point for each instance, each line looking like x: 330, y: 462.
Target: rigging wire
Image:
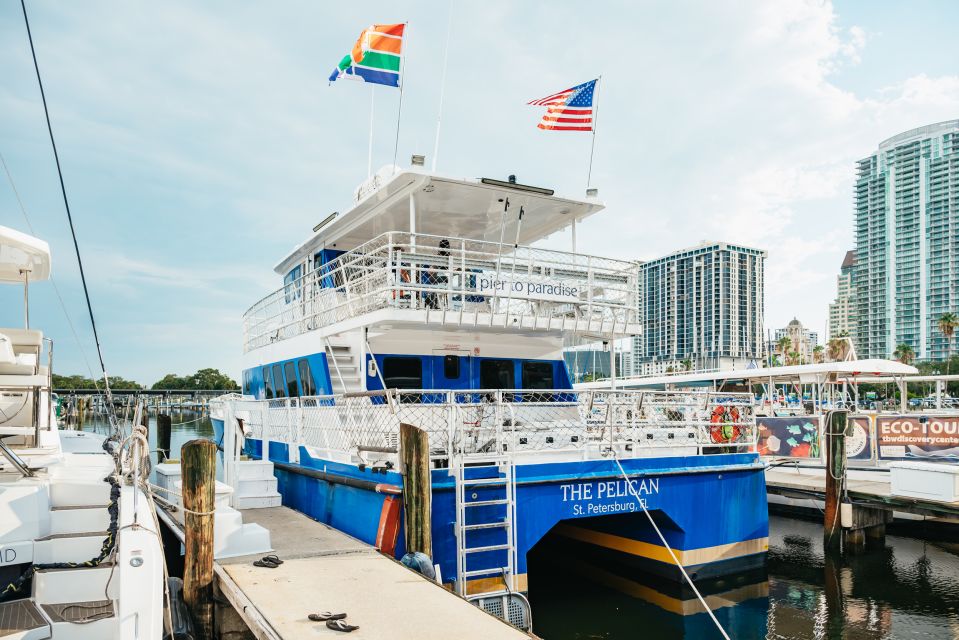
x: 702, y: 601
x: 56, y: 289
x: 66, y: 204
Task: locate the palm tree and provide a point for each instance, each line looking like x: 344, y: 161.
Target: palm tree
x: 817, y: 353
x: 904, y: 353
x: 783, y: 345
x: 792, y: 358
x: 948, y: 322
x: 687, y: 365
x: 838, y: 348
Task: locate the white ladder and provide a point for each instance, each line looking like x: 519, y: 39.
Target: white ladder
x: 485, y: 509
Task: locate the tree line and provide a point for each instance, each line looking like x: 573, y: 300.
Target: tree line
x: 208, y: 378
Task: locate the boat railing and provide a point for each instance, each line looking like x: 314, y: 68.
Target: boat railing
x: 589, y: 424
x: 452, y: 280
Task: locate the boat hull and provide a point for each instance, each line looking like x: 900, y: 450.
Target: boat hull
x: 710, y: 509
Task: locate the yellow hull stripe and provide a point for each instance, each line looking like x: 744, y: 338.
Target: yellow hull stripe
x: 688, y: 557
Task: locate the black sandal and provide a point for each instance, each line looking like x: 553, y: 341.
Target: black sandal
x: 325, y: 615
x: 341, y: 625
x: 269, y: 564
x: 272, y: 558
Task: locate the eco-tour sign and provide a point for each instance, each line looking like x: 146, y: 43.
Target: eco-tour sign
x: 918, y: 436
x: 608, y: 496
x: 510, y: 286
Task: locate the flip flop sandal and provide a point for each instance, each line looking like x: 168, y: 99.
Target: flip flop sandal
x: 269, y: 564
x: 341, y: 625
x: 325, y: 615
x: 272, y: 558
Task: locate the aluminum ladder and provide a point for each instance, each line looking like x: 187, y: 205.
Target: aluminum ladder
x: 485, y: 523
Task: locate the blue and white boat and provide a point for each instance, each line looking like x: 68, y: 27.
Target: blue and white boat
x: 425, y: 304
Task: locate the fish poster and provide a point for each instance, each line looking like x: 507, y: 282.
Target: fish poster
x: 789, y: 437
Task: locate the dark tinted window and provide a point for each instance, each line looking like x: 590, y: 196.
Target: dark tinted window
x: 497, y: 374
x: 291, y: 388
x: 306, y: 378
x: 279, y: 388
x: 402, y: 373
x: 267, y: 383
x: 451, y: 367
x: 538, y: 375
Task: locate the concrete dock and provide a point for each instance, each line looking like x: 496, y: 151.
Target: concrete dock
x: 327, y: 570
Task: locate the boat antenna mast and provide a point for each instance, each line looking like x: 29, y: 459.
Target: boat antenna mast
x: 73, y: 232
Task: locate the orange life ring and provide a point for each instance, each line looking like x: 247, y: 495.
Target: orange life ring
x: 723, y: 425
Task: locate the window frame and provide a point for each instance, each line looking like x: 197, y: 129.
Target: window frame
x: 390, y: 360
x: 292, y: 384
x: 277, y: 370
x: 487, y: 362
x: 307, y: 382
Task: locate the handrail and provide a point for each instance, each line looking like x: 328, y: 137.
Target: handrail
x: 411, y: 271
x: 15, y: 460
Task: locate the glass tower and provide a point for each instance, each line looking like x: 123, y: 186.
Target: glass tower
x: 907, y: 242
x: 701, y: 308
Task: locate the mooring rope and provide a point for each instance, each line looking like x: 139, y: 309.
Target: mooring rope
x: 659, y: 533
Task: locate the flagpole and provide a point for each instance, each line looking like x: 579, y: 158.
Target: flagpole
x: 592, y: 145
x: 369, y: 156
x: 439, y: 115
x: 399, y: 110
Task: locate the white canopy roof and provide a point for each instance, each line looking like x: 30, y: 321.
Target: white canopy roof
x: 803, y: 373
x: 445, y: 207
x: 20, y: 252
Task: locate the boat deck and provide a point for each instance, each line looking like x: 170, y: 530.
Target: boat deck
x: 874, y: 492
x: 327, y: 570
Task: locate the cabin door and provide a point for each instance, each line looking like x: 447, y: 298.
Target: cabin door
x: 452, y: 369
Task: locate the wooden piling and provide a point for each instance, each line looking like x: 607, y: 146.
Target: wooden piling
x: 417, y: 488
x: 164, y: 427
x: 835, y: 434
x: 198, y: 460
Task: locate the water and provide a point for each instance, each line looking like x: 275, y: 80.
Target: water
x: 905, y: 588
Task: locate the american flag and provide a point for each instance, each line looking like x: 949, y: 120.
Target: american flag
x: 569, y: 110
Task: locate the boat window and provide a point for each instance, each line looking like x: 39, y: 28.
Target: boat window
x: 278, y: 386
x: 538, y: 375
x: 402, y: 373
x: 291, y: 284
x: 306, y: 378
x: 291, y: 389
x: 248, y: 382
x: 267, y: 383
x: 451, y: 367
x: 497, y: 374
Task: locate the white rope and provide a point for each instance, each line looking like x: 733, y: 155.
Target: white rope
x: 642, y: 504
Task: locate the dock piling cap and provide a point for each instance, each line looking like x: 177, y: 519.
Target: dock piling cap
x: 20, y: 252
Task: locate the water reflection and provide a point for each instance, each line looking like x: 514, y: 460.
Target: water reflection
x: 906, y: 588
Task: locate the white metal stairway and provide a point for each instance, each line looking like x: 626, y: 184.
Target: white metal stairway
x: 485, y: 525
x: 344, y: 365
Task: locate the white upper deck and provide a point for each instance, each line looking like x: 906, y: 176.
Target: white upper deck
x: 414, y: 201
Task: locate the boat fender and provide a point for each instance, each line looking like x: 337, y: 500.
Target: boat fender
x: 421, y: 563
x: 180, y: 619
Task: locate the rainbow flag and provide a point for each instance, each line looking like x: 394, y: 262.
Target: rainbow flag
x: 375, y: 57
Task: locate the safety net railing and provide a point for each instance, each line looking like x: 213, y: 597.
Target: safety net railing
x: 476, y: 422
x: 460, y: 279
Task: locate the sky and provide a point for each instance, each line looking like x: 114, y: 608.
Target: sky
x: 201, y: 141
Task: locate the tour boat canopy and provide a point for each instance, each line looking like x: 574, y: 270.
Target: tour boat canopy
x: 21, y: 253
x: 446, y: 207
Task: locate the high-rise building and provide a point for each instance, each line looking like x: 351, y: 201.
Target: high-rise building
x: 701, y: 308
x: 842, y: 311
x: 907, y: 231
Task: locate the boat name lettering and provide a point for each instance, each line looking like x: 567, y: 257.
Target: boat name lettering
x: 610, y: 489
